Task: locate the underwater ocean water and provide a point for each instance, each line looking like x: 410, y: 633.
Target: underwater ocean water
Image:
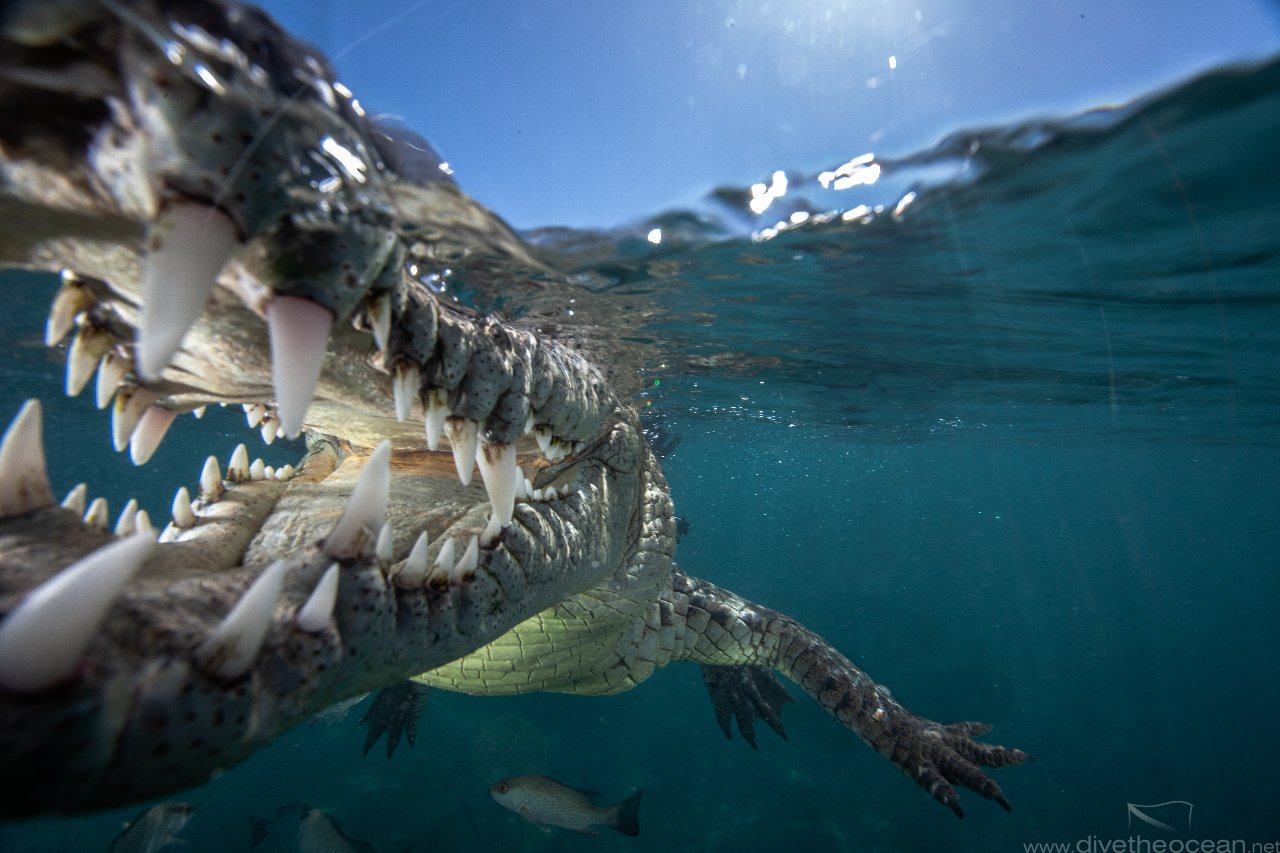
x: 1011, y: 442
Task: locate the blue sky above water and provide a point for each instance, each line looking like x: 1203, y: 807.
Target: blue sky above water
x: 596, y: 114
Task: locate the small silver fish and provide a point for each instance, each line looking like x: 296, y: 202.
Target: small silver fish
x: 546, y: 803
x: 319, y: 833
x: 152, y: 829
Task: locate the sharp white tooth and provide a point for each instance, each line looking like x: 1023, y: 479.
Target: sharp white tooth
x: 366, y: 511
x: 76, y: 499
x: 211, y: 480
x: 467, y: 562
x: 184, y: 518
x: 238, y: 465
x: 279, y: 433
x: 72, y: 299
x: 386, y: 542
x: 380, y: 320
x: 230, y: 650
x: 538, y: 495
x: 550, y: 493
x: 268, y: 473
x: 463, y: 434
x: 268, y: 430
x: 404, y: 384
x: 254, y: 415
x: 149, y: 433
x: 491, y: 532
x: 501, y: 475
x: 24, y: 479
x: 98, y: 515
x: 543, y: 435
x: 111, y: 372
x: 125, y: 525
x: 198, y: 412
x: 187, y: 247
x: 299, y: 330
x: 437, y: 410
x: 257, y: 470
x: 528, y: 424
x: 316, y: 614
x: 285, y: 473
x: 87, y: 349
x: 130, y: 404
x: 528, y: 488
x: 44, y: 637
x: 444, y: 560
x: 142, y: 523
x: 413, y: 572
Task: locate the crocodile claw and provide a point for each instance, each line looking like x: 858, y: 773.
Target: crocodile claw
x: 396, y: 710
x: 748, y: 693
x: 938, y: 756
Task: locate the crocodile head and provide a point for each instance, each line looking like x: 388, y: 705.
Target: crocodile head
x: 233, y: 228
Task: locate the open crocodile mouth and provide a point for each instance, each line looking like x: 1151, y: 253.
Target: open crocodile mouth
x: 477, y: 508
x: 259, y: 253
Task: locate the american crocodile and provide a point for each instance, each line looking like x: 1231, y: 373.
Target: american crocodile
x: 231, y: 227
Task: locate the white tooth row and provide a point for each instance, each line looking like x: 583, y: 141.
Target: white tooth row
x: 43, y: 639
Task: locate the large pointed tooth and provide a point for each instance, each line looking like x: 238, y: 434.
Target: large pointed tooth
x: 211, y: 480
x: 543, y: 435
x: 186, y: 248
x: 111, y: 372
x: 125, y: 525
x: 24, y: 479
x: 380, y: 320
x: 198, y: 412
x: 491, y: 532
x: 43, y: 638
x: 467, y: 562
x: 183, y: 516
x: 463, y: 434
x: 386, y: 542
x: 87, y: 348
x: 404, y: 383
x: 254, y: 415
x: 413, y: 572
x: 238, y: 465
x: 142, y: 523
x: 230, y: 650
x: 76, y: 499
x: 445, y: 558
x: 299, y: 330
x: 73, y: 298
x: 501, y: 475
x: 353, y: 535
x: 149, y: 433
x: 268, y: 429
x: 315, y: 615
x: 437, y: 410
x: 99, y: 514
x: 257, y: 470
x: 130, y: 404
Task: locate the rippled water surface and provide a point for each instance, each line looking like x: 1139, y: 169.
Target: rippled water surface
x: 1012, y: 442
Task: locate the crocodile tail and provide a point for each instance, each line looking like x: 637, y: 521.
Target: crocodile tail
x: 625, y: 816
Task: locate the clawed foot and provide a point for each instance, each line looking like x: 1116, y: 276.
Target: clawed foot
x: 396, y: 710
x: 939, y: 756
x: 748, y: 693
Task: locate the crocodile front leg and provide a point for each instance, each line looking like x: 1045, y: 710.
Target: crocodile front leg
x: 725, y: 629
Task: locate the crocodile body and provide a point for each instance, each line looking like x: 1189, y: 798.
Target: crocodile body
x: 140, y: 134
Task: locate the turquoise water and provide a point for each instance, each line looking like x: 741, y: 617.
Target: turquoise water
x: 1016, y: 451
